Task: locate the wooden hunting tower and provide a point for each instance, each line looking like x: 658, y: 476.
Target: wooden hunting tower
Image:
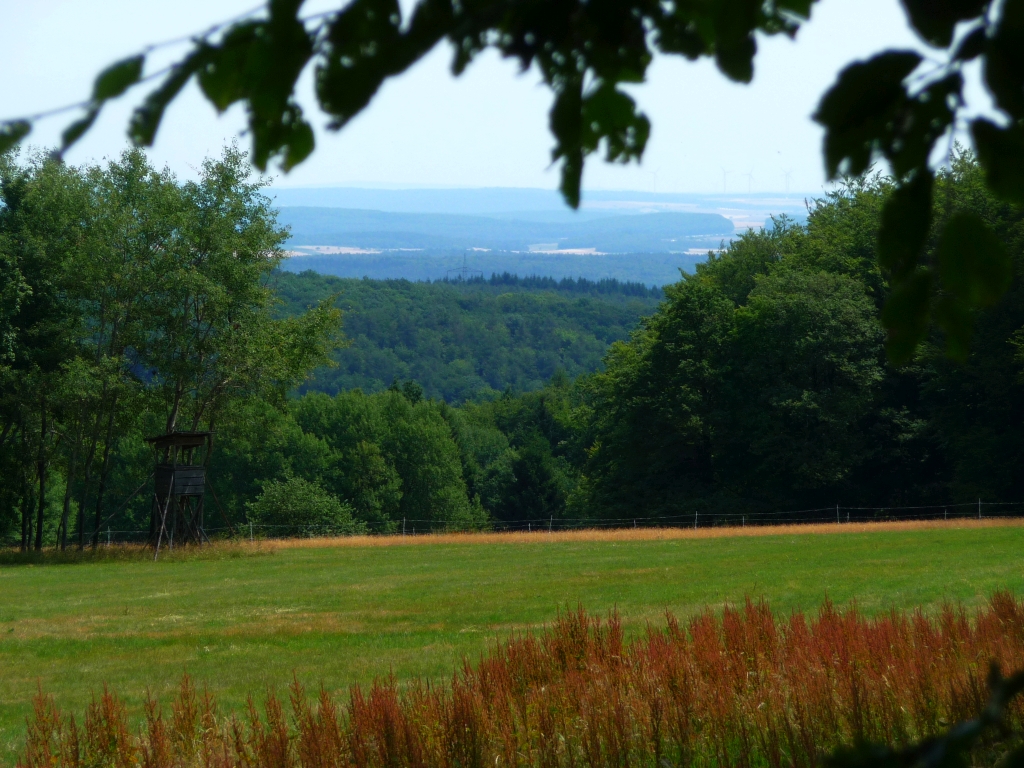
x: 179, y: 489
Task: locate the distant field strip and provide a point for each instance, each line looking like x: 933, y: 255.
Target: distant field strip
x: 834, y: 519
x: 243, y: 618
x: 542, y: 536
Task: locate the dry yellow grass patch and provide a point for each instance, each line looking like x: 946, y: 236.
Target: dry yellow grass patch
x: 242, y: 548
x: 632, y: 534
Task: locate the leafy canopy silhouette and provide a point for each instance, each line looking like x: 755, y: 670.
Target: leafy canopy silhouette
x: 895, y: 106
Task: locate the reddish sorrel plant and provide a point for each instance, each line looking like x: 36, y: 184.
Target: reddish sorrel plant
x: 741, y: 689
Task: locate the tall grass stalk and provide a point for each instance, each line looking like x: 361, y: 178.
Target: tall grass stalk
x: 743, y: 688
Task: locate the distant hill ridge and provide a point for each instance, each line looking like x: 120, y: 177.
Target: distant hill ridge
x: 661, y: 232
x: 650, y: 269
x: 539, y: 204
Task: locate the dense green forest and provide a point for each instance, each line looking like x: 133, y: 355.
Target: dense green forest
x: 467, y: 339
x: 762, y: 383
x: 758, y: 384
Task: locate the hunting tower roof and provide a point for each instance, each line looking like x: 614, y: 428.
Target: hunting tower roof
x: 179, y: 439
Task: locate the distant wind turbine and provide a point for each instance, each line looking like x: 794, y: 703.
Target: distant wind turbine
x: 787, y: 174
x: 725, y: 173
x: 750, y: 180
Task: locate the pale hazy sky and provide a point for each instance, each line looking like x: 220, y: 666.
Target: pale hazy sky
x: 486, y: 128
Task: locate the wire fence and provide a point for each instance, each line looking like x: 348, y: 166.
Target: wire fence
x: 979, y: 510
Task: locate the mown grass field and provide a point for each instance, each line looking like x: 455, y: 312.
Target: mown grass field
x: 242, y: 620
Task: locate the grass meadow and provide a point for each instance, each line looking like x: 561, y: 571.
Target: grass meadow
x: 244, y: 619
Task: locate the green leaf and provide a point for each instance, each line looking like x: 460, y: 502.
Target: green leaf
x: 580, y: 123
x: 801, y: 8
x: 859, y: 111
x: 905, y: 315
x: 735, y: 22
x: 111, y: 82
x: 1001, y: 154
x: 906, y: 220
x: 611, y: 115
x: 973, y: 263
x: 955, y: 320
x: 11, y: 133
x: 365, y: 47
x: 301, y: 143
x: 118, y: 78
x: 146, y: 119
x: 935, y: 19
x: 290, y: 137
x: 572, y: 176
x: 75, y: 131
x: 258, y: 63
x: 223, y: 77
x: 566, y: 124
x: 1004, y: 60
x: 919, y: 123
x: 735, y: 59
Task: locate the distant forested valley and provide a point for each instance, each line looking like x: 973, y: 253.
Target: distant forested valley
x: 137, y: 304
x: 467, y: 339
